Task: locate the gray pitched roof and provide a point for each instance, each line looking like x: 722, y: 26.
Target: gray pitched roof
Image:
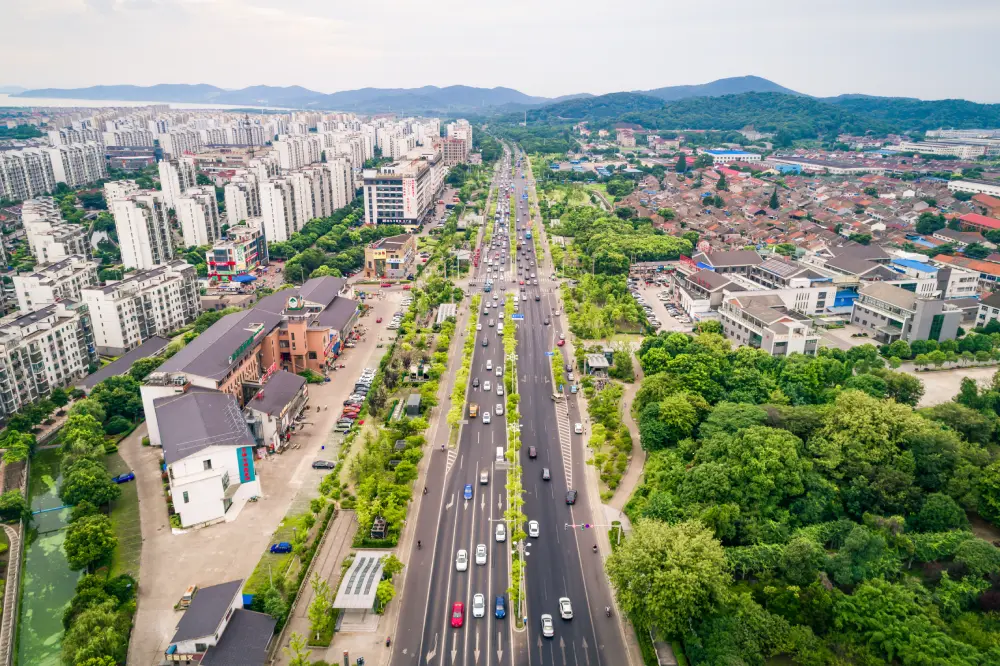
x: 197, y: 419
x: 206, y: 611
x: 244, y: 642
x: 890, y: 293
x: 151, y: 347
x: 730, y: 258
x: 210, y: 354
x: 993, y: 300
x: 277, y: 392
x: 338, y: 313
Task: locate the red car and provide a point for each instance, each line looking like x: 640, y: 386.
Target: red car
x: 560, y: 343
x: 457, y: 614
x: 522, y: 282
x: 406, y: 287
x: 386, y: 284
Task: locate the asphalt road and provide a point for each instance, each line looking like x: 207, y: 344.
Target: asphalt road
x: 448, y: 523
x: 561, y: 562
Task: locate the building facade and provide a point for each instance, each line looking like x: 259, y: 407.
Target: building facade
x: 143, y: 229
x: 892, y: 313
x: 241, y: 253
x: 198, y: 213
x: 62, y: 280
x: 391, y: 258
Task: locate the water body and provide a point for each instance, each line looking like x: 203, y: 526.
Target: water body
x: 21, y: 102
x: 47, y: 584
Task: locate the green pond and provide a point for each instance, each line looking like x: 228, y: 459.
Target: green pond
x: 47, y: 584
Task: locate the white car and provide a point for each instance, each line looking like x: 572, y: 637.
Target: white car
x: 578, y: 428
x: 486, y: 417
x: 499, y: 409
x: 478, y: 605
x: 489, y: 364
x: 533, y: 530
x: 565, y: 608
x: 499, y: 372
x: 501, y: 532
x: 462, y: 560
x: 547, y: 629
x: 499, y: 388
x: 481, y: 554
x: 479, y: 326
x: 487, y: 385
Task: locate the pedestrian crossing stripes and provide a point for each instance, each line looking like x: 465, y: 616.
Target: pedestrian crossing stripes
x: 565, y: 440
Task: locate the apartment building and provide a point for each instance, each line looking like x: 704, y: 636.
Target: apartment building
x: 241, y: 253
x: 146, y: 303
x: 295, y: 152
x: 25, y: 174
x: 764, y: 321
x: 198, y: 213
x: 77, y: 164
x: 892, y: 313
x: 403, y: 192
x: 460, y: 129
x: 177, y: 176
x: 177, y: 142
x: 454, y: 151
x: 143, y: 229
x: 42, y: 349
x: 277, y: 210
x: 242, y: 197
x: 131, y: 137
x: 50, y: 239
x: 65, y: 136
x: 62, y: 280
x: 342, y: 190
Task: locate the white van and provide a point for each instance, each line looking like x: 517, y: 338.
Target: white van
x: 500, y: 457
x: 499, y: 329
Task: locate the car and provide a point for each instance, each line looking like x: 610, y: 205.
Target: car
x: 569, y: 376
x: 484, y: 477
x: 487, y: 385
x: 462, y: 560
x: 532, y: 452
x: 478, y: 605
x: 486, y: 311
x: 467, y: 493
x: 457, y: 614
x: 574, y: 388
x: 501, y: 532
x: 562, y: 336
x: 548, y: 630
x: 499, y: 372
x: 479, y: 326
x: 481, y: 554
x: 500, y: 611
x: 578, y: 428
x: 524, y: 297
x: 489, y: 364
x: 533, y: 528
x: 571, y: 496
x: 124, y: 478
x: 568, y: 367
x: 491, y: 323
x: 560, y: 343
x: 385, y: 284
x: 378, y: 320
x: 282, y: 547
x: 546, y: 322
x: 565, y: 608
x: 324, y: 464
x: 546, y: 475
x: 499, y: 388
x: 486, y: 418
x: 475, y: 382
x: 486, y: 342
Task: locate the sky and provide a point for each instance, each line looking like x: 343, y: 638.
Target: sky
x: 917, y: 48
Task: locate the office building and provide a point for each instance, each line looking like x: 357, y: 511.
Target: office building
x: 62, y: 280
x: 146, y: 303
x: 763, y: 321
x: 143, y: 229
x: 41, y: 350
x: 198, y: 213
x: 892, y: 313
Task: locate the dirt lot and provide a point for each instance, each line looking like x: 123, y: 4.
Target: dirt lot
x: 942, y: 385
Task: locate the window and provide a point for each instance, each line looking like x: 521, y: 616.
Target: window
x: 207, y: 464
x: 936, y: 325
x: 312, y: 356
x: 200, y: 647
x: 186, y: 498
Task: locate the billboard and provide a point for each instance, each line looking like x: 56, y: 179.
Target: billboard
x: 244, y: 460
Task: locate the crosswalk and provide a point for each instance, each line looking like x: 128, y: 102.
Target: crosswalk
x: 565, y: 440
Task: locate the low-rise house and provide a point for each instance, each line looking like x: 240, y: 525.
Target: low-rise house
x: 273, y: 410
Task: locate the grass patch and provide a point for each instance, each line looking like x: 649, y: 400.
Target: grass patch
x: 273, y: 565
x: 324, y: 639
x: 125, y: 521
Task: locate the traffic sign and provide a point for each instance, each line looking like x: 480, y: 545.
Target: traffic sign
x: 517, y: 317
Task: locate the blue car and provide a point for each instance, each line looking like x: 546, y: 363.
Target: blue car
x: 468, y: 491
x: 501, y: 610
x: 124, y: 478
x: 283, y: 547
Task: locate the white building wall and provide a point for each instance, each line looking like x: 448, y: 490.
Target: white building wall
x: 204, y: 500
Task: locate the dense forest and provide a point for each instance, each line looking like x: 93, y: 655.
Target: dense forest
x: 798, y: 115
x: 802, y: 507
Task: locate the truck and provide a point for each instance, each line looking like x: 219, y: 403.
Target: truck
x: 473, y: 410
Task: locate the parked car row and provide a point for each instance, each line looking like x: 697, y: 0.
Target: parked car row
x: 354, y: 402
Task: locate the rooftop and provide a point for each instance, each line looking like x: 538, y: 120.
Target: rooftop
x: 279, y: 390
x: 360, y: 581
x: 244, y: 642
x: 981, y: 220
x: 207, y: 609
x: 199, y: 418
x: 891, y: 294
x: 151, y: 347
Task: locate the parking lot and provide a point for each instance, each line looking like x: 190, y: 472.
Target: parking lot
x: 651, y: 296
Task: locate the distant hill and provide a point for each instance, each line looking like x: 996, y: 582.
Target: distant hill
x: 731, y: 86
x: 11, y: 90
x: 163, y: 92
x: 600, y: 107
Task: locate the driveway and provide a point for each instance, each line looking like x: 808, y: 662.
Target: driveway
x: 227, y: 551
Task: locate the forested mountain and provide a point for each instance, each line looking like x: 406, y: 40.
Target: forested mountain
x: 734, y: 85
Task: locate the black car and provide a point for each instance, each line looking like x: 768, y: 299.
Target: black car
x: 570, y: 497
x: 323, y: 464
x: 546, y: 322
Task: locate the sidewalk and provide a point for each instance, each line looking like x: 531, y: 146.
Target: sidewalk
x: 637, y: 459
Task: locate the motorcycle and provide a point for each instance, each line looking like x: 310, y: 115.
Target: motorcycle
x: 607, y: 611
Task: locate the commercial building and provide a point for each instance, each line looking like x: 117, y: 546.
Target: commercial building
x: 198, y: 213
x: 973, y: 186
x: 208, y: 451
x: 764, y: 321
x: 241, y: 253
x: 42, y: 349
x: 293, y: 330
x: 143, y: 229
x: 402, y: 192
x: 177, y: 175
x: 62, y: 280
x: 893, y: 313
x: 146, y: 303
x: 391, y: 258
x: 272, y: 411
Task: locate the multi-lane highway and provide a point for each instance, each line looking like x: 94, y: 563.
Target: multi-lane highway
x: 560, y: 561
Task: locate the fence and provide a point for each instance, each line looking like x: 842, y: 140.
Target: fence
x: 12, y: 590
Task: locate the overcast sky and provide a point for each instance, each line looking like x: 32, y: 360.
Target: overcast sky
x: 920, y: 48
